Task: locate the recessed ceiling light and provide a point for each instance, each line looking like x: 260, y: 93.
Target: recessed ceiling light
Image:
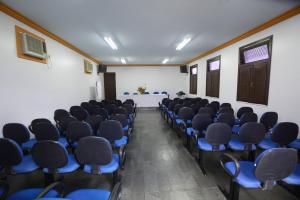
x: 165, y: 61
x: 111, y: 43
x: 123, y: 61
x: 183, y: 43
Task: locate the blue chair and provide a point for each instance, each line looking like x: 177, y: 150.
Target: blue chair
x: 207, y: 110
x: 147, y: 93
x: 112, y: 130
x: 173, y: 117
x: 225, y: 105
x: 12, y: 160
x: 96, y: 156
x: 195, y: 108
x: 18, y: 133
x: 241, y: 111
x: 135, y: 93
x: 101, y: 111
x: 155, y: 92
x: 217, y: 136
x: 251, y: 134
x: 110, y: 108
x: 54, y: 159
x: 130, y: 111
x: 226, y: 118
x: 264, y: 173
x: 200, y: 123
x: 37, y: 121
x: 164, y: 92
x: 125, y: 124
x: 126, y: 93
x: 94, y: 121
x: 269, y: 119
x: 77, y: 130
x: 46, y: 131
x: 59, y: 114
x: 203, y: 102
x: 80, y: 114
x: 93, y: 102
x: 225, y: 110
x: 184, y: 121
x: 294, y: 178
x: 282, y: 135
x: 63, y: 124
x: 247, y: 117
x: 215, y: 105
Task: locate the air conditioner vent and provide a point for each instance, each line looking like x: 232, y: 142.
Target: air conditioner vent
x: 33, y: 46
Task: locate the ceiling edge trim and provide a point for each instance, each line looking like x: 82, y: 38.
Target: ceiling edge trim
x: 143, y: 65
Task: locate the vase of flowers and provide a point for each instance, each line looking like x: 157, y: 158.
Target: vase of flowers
x: 141, y: 90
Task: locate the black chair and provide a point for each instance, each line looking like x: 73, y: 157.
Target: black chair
x: 74, y: 108
x: 94, y: 121
x: 54, y: 159
x: 110, y: 108
x: 247, y: 117
x: 216, y: 105
x: 224, y: 105
x: 173, y: 118
x: 206, y: 110
x: 47, y: 131
x: 241, y: 111
x: 87, y: 106
x: 227, y: 118
x: 213, y: 108
x: 18, y: 133
x: 93, y: 102
x: 36, y: 121
x: 226, y: 110
x: 112, y: 130
x: 64, y: 123
x: 251, y: 134
x: 200, y: 123
x: 195, y: 108
x: 123, y: 120
x: 59, y: 114
x: 164, y: 92
x: 264, y: 173
x: 155, y: 92
x: 269, y: 119
x: 80, y: 114
x: 97, y: 157
x: 77, y: 130
x: 184, y: 121
x: 101, y: 111
x: 216, y: 137
x: 203, y: 102
x: 130, y: 111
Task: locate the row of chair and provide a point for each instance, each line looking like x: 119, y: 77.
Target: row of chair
x: 96, y: 145
x: 213, y: 128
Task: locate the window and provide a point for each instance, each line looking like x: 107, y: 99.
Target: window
x: 213, y: 77
x: 193, y: 79
x: 254, y: 71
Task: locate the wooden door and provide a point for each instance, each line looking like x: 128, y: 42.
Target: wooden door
x: 244, y: 83
x: 259, y: 76
x: 110, y: 86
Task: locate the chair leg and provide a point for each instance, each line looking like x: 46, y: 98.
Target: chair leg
x: 234, y: 190
x: 200, y: 162
x: 116, y: 177
x: 49, y: 178
x: 251, y: 155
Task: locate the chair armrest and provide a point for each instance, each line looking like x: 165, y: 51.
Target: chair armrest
x: 227, y: 157
x: 5, y: 187
x: 115, y: 193
x: 48, y: 188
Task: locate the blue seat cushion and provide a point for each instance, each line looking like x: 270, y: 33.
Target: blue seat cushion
x: 109, y: 168
x: 295, y: 144
x: 246, y: 177
x: 29, y: 194
x: 29, y: 144
x: 205, y: 146
x: 267, y: 144
x: 122, y: 141
x: 126, y: 128
x: 180, y: 121
x: 89, y: 194
x: 70, y: 167
x: 294, y: 178
x: 63, y: 141
x: 189, y: 131
x: 27, y: 165
x: 236, y: 145
x: 236, y: 129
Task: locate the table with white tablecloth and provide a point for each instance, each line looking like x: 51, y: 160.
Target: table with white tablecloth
x: 145, y: 100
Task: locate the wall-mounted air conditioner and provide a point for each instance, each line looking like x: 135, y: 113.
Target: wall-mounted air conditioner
x: 33, y: 46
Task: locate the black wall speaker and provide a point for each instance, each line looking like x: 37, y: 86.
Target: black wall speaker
x: 183, y: 69
x: 102, y: 68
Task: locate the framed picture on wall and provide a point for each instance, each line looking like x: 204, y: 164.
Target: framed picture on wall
x: 88, y: 67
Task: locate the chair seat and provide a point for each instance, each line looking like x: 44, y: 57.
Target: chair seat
x: 89, y: 194
x: 126, y: 128
x: 180, y: 121
x: 246, y: 177
x: 236, y: 129
x: 29, y: 194
x: 63, y: 141
x: 294, y: 178
x: 190, y: 131
x: 27, y: 165
x: 29, y: 144
x: 295, y: 144
x: 205, y: 146
x: 236, y: 145
x: 109, y: 168
x: 70, y: 167
x: 267, y: 144
x: 122, y: 141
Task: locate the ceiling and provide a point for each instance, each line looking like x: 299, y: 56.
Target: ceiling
x: 147, y: 31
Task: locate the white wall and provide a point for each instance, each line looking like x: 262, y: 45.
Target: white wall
x: 154, y: 78
x: 31, y: 90
x: 284, y: 93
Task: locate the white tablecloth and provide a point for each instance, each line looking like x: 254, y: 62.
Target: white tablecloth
x: 145, y: 100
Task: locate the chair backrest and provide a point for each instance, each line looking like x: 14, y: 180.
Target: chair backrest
x: 77, y: 130
x: 16, y: 132
x: 101, y: 111
x: 111, y: 130
x: 146, y: 93
x: 110, y: 108
x: 87, y: 106
x: 129, y: 108
x: 121, y: 118
x: 223, y: 105
x: 195, y: 107
x: 213, y: 107
x: 248, y: 117
x: 243, y: 110
x: 100, y: 104
x: 186, y: 113
x: 120, y: 110
x: 284, y: 133
x: 203, y: 102
x: 269, y: 119
x: 226, y: 110
x: 36, y: 121
x: 251, y: 133
x: 187, y: 103
x: 94, y: 121
x: 177, y: 107
x: 227, y: 118
x: 218, y: 134
x: 93, y: 102
x: 201, y: 121
x: 64, y: 123
x: 215, y: 104
x: 74, y: 108
x: 135, y: 93
x: 80, y: 114
x: 94, y: 151
x: 118, y: 102
x: 10, y: 153
x: 275, y: 164
x: 46, y: 131
x: 50, y: 155
x: 164, y: 92
x: 206, y: 110
x: 60, y: 113
x: 126, y: 93
x: 130, y: 101
x: 171, y: 105
x: 155, y: 92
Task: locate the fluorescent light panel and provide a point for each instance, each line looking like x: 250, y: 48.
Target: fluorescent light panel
x: 123, y: 61
x: 111, y: 43
x: 183, y: 43
x: 165, y: 61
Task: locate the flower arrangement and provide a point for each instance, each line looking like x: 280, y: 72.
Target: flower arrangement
x: 141, y: 90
